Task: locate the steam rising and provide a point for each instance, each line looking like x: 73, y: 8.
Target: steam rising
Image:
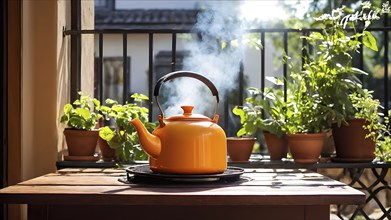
x: 217, y: 55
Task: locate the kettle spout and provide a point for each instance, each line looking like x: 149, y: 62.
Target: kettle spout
x: 150, y: 143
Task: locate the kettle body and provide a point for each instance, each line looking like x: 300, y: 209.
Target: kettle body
x: 187, y: 143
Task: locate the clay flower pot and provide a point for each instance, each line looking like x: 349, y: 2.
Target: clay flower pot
x: 351, y: 144
x: 81, y: 142
x: 306, y: 148
x: 277, y: 147
x: 240, y: 149
x: 107, y: 153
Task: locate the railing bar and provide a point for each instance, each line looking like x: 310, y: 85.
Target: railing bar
x: 170, y: 31
x: 386, y: 59
x: 285, y: 66
x: 100, y: 68
x: 314, y: 29
x: 263, y: 73
x: 173, y: 52
x: 150, y: 76
x: 125, y: 68
x: 304, y: 49
x: 75, y: 52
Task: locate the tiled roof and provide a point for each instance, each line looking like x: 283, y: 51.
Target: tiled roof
x: 146, y: 19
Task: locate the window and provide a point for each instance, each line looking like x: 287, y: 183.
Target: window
x: 104, y: 5
x: 111, y: 83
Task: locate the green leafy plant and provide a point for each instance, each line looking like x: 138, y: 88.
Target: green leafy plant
x: 82, y: 114
x: 263, y: 110
x: 333, y: 50
x: 327, y: 77
x: 378, y: 130
x: 366, y: 107
x: 383, y: 140
x: 123, y: 136
x: 305, y: 112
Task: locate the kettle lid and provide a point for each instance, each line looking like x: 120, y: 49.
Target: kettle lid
x: 188, y: 115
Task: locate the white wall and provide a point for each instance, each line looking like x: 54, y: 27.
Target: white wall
x: 153, y: 4
x: 137, y: 49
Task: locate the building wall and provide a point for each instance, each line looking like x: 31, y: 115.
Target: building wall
x: 39, y: 68
x: 41, y: 89
x: 138, y: 52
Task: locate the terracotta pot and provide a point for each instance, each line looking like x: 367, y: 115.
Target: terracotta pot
x: 81, y: 142
x: 240, y: 149
x: 306, y: 148
x: 277, y: 147
x: 350, y: 141
x: 107, y: 153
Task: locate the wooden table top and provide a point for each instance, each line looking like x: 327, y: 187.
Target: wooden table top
x: 256, y: 187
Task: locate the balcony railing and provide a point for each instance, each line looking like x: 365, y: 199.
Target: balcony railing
x: 150, y: 34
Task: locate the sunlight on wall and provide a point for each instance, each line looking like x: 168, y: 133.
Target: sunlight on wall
x: 271, y: 10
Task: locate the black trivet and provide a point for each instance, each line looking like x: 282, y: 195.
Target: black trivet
x: 143, y: 174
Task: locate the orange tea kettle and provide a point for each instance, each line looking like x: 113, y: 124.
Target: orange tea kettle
x: 188, y: 143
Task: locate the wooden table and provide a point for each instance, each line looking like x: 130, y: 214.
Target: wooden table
x: 260, y: 194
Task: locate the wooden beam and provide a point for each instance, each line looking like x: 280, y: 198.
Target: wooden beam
x: 14, y: 91
x: 14, y: 63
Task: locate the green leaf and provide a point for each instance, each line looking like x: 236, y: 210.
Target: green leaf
x: 111, y: 102
x: 315, y: 36
x: 106, y: 133
x: 105, y: 109
x: 359, y: 71
x: 96, y: 102
x: 68, y: 108
x: 369, y: 41
x: 241, y: 132
x: 83, y: 112
x: 238, y: 111
x: 64, y: 118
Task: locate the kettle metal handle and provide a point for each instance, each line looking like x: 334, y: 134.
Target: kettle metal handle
x: 190, y: 74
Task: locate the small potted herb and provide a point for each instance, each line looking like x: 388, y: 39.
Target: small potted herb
x: 240, y: 148
x: 305, y: 118
x: 81, y: 117
x: 360, y: 129
x: 264, y: 111
x: 122, y: 137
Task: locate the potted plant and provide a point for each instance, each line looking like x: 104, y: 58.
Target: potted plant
x: 328, y: 73
x: 264, y: 111
x: 122, y: 137
x: 239, y: 149
x: 360, y: 130
x: 305, y: 117
x: 81, y: 117
x: 107, y: 153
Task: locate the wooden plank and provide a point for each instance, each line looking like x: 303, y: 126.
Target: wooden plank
x: 248, y: 195
x: 111, y: 178
x: 103, y: 188
x: 77, y: 179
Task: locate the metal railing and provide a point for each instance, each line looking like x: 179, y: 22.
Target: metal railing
x: 76, y: 75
